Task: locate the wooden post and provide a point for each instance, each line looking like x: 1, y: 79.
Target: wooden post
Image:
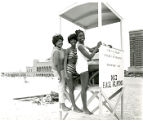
x: 60, y: 112
x: 100, y: 104
x: 60, y: 25
x: 122, y: 105
x: 121, y: 34
x: 99, y: 26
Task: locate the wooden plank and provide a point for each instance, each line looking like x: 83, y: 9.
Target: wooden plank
x: 122, y: 107
x: 118, y: 100
x: 92, y: 97
x: 100, y: 104
x: 110, y: 105
x: 30, y: 97
x: 65, y: 116
x: 104, y: 103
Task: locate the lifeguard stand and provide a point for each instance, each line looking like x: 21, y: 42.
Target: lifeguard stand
x: 90, y: 15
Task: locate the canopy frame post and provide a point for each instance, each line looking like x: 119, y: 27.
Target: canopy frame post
x: 121, y: 33
x: 99, y: 27
x: 60, y: 25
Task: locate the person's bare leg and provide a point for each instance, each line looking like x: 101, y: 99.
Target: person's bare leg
x: 64, y: 107
x: 71, y: 93
x: 62, y: 93
x: 84, y: 84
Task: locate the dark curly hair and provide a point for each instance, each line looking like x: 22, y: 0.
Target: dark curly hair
x: 78, y: 31
x: 56, y: 38
x: 72, y: 36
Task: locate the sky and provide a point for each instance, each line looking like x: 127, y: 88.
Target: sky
x: 27, y: 27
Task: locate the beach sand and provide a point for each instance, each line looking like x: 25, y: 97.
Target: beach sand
x: 19, y: 110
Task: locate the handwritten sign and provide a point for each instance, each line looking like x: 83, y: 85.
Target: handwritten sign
x: 111, y: 71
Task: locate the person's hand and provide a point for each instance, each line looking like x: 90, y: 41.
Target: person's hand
x: 99, y: 44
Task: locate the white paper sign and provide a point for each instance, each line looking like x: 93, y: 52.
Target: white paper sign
x: 111, y: 71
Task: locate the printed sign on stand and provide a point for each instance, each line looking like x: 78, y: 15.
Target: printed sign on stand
x: 111, y: 73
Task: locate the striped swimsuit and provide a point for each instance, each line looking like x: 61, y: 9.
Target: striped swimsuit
x: 71, y: 61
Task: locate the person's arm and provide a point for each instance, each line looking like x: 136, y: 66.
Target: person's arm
x: 57, y: 63
x: 92, y: 49
x: 85, y: 53
x: 65, y: 63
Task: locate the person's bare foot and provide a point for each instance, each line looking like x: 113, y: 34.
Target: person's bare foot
x: 86, y: 111
x: 65, y: 108
x: 76, y: 109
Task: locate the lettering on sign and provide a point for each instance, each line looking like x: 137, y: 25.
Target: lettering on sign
x: 111, y: 73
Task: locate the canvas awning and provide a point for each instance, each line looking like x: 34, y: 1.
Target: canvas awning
x: 86, y: 15
x: 93, y: 14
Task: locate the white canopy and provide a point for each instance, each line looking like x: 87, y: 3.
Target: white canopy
x: 86, y: 15
x: 91, y: 15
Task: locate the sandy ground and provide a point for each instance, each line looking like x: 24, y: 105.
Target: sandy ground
x: 18, y: 110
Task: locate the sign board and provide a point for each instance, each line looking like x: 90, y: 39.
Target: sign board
x: 111, y: 69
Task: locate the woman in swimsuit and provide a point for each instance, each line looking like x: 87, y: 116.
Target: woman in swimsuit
x: 58, y: 54
x: 84, y: 54
x: 70, y: 68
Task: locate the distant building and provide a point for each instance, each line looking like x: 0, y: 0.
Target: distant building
x: 136, y: 51
x: 41, y: 69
